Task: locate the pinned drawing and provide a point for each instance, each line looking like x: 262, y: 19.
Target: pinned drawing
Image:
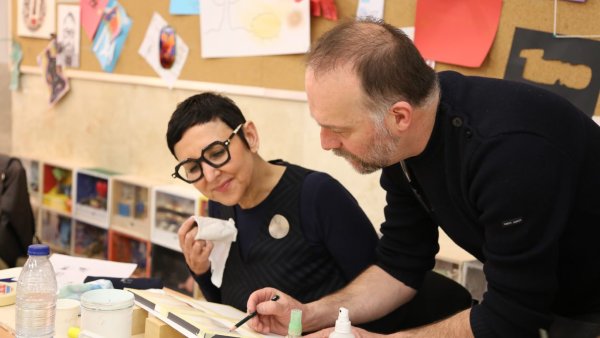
x: 567, y: 67
x: 164, y: 50
x: 68, y: 34
x: 91, y: 14
x: 16, y: 56
x: 57, y: 82
x: 36, y: 18
x: 111, y: 35
x: 370, y: 8
x: 232, y: 28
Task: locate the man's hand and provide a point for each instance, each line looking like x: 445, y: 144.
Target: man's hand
x: 273, y: 316
x: 196, y: 252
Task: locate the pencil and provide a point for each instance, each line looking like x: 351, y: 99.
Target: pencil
x: 249, y: 316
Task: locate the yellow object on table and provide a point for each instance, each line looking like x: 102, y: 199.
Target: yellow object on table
x: 8, y: 293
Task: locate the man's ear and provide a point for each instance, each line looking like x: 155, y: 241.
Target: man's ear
x: 400, y: 116
x: 251, y: 135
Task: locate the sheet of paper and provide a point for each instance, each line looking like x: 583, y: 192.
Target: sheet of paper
x: 184, y: 7
x: 56, y: 80
x: 372, y: 8
x: 73, y: 270
x: 112, y: 33
x: 91, y: 14
x: 254, y: 27
x: 11, y: 272
x: 36, y: 19
x: 68, y: 34
x: 567, y: 67
x: 150, y: 50
x: 456, y: 32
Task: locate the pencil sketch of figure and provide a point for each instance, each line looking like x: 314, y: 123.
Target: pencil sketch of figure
x: 68, y: 35
x: 56, y: 80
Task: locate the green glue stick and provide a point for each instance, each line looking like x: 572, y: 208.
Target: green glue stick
x: 295, y: 326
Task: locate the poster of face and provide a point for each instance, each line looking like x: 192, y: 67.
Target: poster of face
x: 36, y: 18
x: 68, y: 34
x: 57, y: 82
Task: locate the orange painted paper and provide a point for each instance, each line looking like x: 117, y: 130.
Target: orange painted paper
x: 458, y: 32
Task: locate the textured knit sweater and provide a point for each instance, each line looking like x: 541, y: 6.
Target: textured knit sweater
x: 330, y: 241
x: 512, y: 175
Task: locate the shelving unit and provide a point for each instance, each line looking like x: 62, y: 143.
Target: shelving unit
x: 169, y: 265
x: 57, y: 188
x: 90, y: 241
x: 96, y: 213
x: 129, y: 249
x: 172, y: 205
x: 131, y: 206
x: 56, y: 231
x: 92, y: 196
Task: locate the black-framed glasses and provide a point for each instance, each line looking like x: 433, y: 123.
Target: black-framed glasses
x: 215, y: 155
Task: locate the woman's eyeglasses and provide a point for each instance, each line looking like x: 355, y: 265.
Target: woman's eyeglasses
x: 215, y: 155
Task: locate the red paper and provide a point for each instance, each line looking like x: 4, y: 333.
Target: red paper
x: 91, y: 14
x: 458, y: 32
x: 325, y: 7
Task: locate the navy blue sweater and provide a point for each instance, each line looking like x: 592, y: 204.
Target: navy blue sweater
x: 331, y: 222
x: 512, y: 175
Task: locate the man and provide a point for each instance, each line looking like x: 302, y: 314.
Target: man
x: 509, y: 171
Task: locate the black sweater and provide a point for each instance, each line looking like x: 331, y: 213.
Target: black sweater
x: 512, y: 175
x: 325, y: 221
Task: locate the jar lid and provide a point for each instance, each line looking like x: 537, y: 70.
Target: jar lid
x: 107, y: 299
x: 38, y: 250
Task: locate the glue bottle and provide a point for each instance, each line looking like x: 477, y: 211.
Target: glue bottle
x: 295, y: 326
x: 343, y: 327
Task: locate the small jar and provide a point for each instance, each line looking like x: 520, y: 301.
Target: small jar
x: 107, y: 312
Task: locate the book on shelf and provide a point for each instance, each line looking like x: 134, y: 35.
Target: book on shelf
x: 193, y: 317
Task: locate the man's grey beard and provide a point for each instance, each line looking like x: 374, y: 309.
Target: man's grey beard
x: 359, y: 165
x: 379, y: 154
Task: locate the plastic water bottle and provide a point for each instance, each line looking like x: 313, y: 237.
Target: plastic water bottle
x: 36, y: 295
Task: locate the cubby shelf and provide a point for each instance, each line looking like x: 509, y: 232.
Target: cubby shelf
x: 97, y: 213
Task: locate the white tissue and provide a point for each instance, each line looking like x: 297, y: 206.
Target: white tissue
x: 221, y: 233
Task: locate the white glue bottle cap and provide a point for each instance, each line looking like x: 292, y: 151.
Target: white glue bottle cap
x: 343, y: 327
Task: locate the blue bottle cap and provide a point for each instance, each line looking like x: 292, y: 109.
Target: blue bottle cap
x: 38, y: 250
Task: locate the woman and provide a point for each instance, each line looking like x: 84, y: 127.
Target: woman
x: 299, y: 230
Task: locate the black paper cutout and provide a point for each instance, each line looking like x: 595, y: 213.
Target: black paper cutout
x: 575, y: 51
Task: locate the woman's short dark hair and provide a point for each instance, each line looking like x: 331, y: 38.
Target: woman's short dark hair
x: 200, y: 109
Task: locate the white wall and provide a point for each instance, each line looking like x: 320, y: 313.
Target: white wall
x: 122, y: 127
x: 4, y: 41
x: 5, y: 104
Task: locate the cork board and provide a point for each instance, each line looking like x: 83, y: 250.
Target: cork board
x: 287, y: 71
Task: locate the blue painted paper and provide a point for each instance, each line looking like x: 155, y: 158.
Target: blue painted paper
x: 184, y: 7
x: 107, y: 47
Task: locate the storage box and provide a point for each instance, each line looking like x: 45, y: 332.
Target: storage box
x: 56, y: 231
x: 172, y: 205
x: 128, y: 249
x: 169, y: 265
x: 131, y: 205
x: 92, y: 195
x: 90, y: 241
x: 32, y: 172
x: 57, y: 188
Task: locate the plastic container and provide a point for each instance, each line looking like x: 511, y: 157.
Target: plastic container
x: 343, y: 327
x: 36, y: 295
x: 107, y: 312
x: 67, y: 315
